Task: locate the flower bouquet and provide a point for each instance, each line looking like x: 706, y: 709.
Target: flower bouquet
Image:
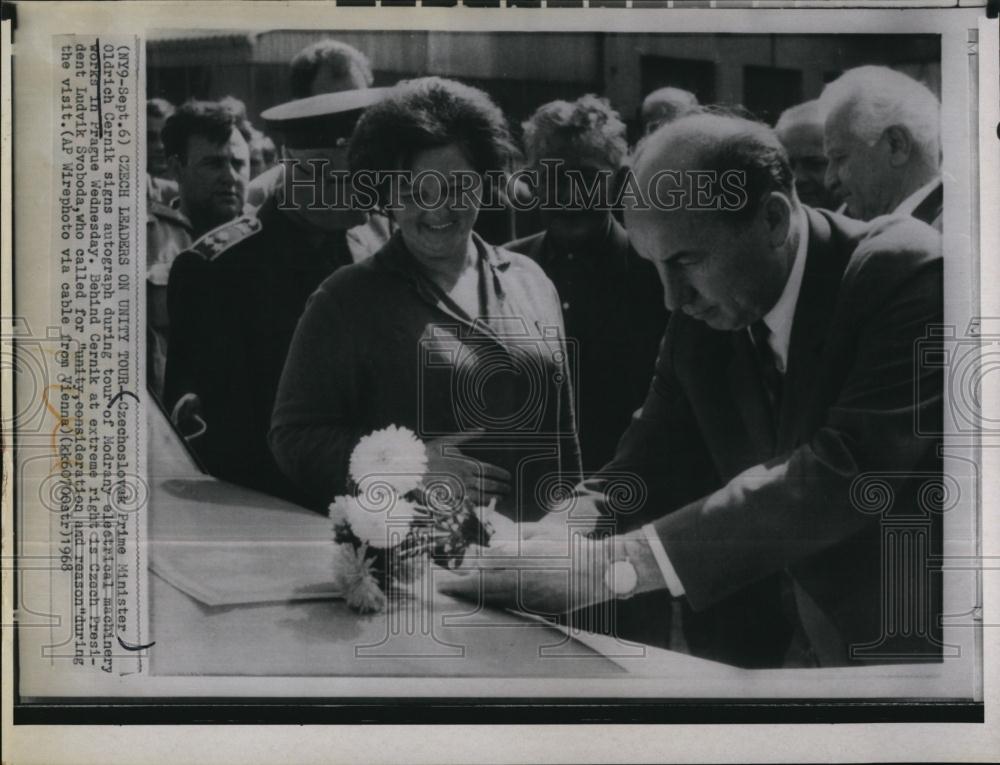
x: 395, y: 520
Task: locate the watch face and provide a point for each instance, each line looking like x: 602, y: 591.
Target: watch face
x: 621, y: 578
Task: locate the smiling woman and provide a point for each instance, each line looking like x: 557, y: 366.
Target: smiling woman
x: 471, y: 354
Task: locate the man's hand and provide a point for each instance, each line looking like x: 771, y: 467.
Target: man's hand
x: 464, y: 475
x: 539, y: 576
x: 551, y: 576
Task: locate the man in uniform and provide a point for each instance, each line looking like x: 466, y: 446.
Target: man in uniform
x: 327, y: 66
x: 237, y: 294
x: 206, y: 152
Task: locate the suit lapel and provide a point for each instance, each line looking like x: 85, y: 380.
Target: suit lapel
x: 813, y: 311
x: 929, y: 210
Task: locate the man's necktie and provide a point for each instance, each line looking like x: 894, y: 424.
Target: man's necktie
x: 768, y: 363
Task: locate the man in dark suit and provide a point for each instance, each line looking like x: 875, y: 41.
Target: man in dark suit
x: 612, y: 304
x: 785, y: 392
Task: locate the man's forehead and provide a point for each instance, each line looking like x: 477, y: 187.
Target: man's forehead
x: 563, y: 158
x: 332, y: 79
x: 322, y: 152
x: 839, y: 126
x: 234, y: 144
x: 660, y: 224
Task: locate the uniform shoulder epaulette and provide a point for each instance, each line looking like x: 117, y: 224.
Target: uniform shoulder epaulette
x: 211, y: 245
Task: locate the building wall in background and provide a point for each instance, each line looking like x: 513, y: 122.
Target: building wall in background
x: 765, y: 73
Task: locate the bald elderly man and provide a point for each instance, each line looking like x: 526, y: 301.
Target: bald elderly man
x: 883, y: 142
x: 665, y: 105
x: 785, y: 378
x: 800, y: 130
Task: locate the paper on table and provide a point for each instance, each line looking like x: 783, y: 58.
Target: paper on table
x: 234, y: 573
x: 654, y: 662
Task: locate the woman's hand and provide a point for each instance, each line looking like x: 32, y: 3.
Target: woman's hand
x: 461, y: 474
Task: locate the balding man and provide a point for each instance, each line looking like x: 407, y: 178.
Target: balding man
x: 882, y: 139
x: 800, y: 130
x: 786, y: 379
x: 665, y: 105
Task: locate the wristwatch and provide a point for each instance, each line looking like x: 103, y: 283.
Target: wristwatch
x: 620, y: 577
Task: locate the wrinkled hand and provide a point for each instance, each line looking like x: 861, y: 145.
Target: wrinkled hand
x: 543, y: 576
x: 464, y: 475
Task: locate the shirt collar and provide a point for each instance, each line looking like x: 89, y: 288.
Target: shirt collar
x: 779, y: 318
x: 396, y: 257
x: 912, y: 202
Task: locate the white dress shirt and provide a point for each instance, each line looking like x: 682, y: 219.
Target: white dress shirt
x: 779, y: 321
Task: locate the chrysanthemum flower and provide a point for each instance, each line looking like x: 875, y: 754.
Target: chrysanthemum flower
x: 355, y: 580
x: 338, y: 509
x: 369, y: 526
x: 394, y: 456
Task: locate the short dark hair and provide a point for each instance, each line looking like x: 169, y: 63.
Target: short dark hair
x: 730, y: 138
x: 209, y: 119
x: 429, y: 113
x: 343, y: 59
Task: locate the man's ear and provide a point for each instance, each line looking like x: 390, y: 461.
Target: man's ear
x: 900, y: 143
x: 778, y: 217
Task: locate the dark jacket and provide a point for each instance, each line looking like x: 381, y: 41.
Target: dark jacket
x: 234, y: 300
x: 613, y: 309
x: 931, y: 207
x: 379, y: 346
x: 853, y: 456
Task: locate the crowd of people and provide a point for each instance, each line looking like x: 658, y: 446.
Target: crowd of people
x: 743, y: 364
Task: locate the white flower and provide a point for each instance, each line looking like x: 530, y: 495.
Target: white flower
x: 338, y: 509
x: 371, y: 525
x: 393, y: 456
x: 352, y: 574
x: 368, y: 525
